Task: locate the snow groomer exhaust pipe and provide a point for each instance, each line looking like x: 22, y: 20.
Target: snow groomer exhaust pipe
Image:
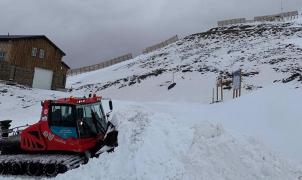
x: 4, y: 128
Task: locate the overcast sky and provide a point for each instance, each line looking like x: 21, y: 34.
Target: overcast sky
x: 90, y: 31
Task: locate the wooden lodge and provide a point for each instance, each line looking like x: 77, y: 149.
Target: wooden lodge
x: 33, y: 61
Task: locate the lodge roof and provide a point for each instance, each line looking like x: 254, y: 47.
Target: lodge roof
x: 64, y: 64
x: 22, y: 37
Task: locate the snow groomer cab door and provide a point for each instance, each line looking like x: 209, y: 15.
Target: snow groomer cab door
x: 92, y: 125
x: 62, y: 132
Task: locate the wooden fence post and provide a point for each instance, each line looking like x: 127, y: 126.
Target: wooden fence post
x: 240, y: 84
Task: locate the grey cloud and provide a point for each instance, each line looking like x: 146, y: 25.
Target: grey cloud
x: 93, y: 30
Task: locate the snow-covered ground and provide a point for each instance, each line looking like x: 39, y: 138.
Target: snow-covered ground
x: 192, y: 141
x: 253, y: 137
x: 177, y: 134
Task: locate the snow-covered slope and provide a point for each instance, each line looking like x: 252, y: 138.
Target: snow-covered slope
x: 266, y: 53
x: 161, y: 140
x: 247, y: 138
x: 158, y: 146
x: 177, y: 134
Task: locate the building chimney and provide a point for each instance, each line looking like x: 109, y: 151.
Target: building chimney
x: 7, y: 34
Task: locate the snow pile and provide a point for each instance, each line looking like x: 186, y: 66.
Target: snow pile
x: 150, y: 147
x: 216, y: 155
x: 159, y: 146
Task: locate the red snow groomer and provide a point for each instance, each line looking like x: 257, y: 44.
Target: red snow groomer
x: 70, y: 131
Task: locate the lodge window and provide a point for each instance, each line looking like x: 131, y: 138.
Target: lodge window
x: 34, y: 52
x: 42, y: 53
x: 2, y: 56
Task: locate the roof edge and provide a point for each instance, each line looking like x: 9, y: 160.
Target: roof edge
x: 20, y: 37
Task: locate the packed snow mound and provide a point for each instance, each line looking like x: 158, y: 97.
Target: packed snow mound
x: 214, y: 154
x: 158, y: 146
x: 266, y: 53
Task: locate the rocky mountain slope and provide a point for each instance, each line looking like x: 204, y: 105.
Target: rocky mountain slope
x: 266, y: 53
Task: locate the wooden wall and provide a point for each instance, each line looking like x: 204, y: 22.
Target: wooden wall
x: 20, y: 61
x: 6, y: 47
x: 21, y: 75
x: 21, y: 54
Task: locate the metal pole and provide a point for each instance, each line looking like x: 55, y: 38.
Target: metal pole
x: 281, y: 6
x: 213, y: 95
x: 217, y: 92
x: 221, y: 86
x: 173, y: 77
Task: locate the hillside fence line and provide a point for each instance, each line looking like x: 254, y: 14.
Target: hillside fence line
x: 161, y: 45
x: 231, y: 21
x: 274, y: 17
x: 121, y: 58
x: 99, y: 65
x: 278, y: 17
x: 270, y: 18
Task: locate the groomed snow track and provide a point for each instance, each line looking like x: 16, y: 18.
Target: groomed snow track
x: 38, y: 164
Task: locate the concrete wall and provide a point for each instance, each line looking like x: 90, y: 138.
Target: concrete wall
x: 100, y: 65
x: 231, y: 21
x: 161, y: 45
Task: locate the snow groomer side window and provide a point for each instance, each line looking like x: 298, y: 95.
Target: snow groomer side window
x: 62, y: 121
